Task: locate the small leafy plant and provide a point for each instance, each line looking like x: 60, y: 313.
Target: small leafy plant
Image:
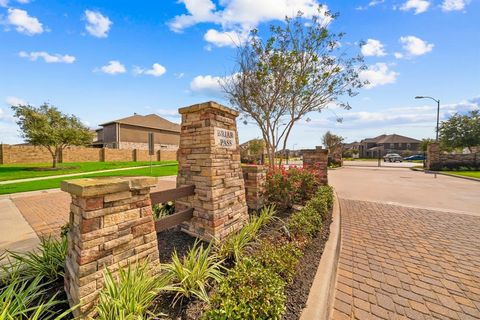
x: 280, y: 259
x: 161, y: 210
x: 249, y: 291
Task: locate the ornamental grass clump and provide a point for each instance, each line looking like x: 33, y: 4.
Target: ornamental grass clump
x: 22, y: 299
x: 47, y: 262
x: 233, y: 247
x: 195, y: 273
x: 130, y: 294
x: 249, y: 291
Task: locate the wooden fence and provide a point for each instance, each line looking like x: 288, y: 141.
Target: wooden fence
x: 171, y: 195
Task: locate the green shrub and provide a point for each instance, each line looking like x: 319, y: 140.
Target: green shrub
x: 161, y: 210
x: 191, y: 276
x: 22, y: 299
x: 234, y: 245
x: 48, y: 261
x: 306, y: 222
x: 249, y: 291
x: 326, y: 193
x: 130, y: 294
x: 281, y: 259
x: 288, y: 187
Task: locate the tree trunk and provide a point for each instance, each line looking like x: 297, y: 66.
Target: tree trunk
x: 55, y: 158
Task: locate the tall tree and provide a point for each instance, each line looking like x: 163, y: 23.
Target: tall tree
x: 46, y: 126
x: 300, y: 68
x: 461, y: 131
x: 332, y: 142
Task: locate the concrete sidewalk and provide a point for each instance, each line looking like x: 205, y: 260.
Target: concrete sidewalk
x: 15, y: 233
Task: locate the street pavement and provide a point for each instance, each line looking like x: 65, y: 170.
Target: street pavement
x: 410, y: 245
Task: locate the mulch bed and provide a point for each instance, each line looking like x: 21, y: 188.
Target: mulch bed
x: 297, y: 291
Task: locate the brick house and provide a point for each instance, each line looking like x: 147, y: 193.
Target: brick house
x: 132, y: 133
x: 387, y: 143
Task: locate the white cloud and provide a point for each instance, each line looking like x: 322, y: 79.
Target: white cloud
x: 113, y: 67
x: 225, y: 38
x: 97, y: 25
x: 419, y: 6
x: 207, y: 85
x: 14, y: 101
x: 48, y: 58
x: 23, y: 22
x: 3, y: 3
x: 454, y: 5
x: 378, y: 74
x: 238, y: 17
x: 179, y: 75
x: 398, y: 55
x: 373, y: 48
x: 415, y: 46
x: 372, y: 3
x: 157, y: 70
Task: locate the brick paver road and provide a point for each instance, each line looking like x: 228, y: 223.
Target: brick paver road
x: 406, y: 263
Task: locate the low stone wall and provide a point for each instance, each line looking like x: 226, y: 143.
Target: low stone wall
x: 80, y: 154
x: 10, y: 154
x: 437, y: 160
x: 317, y: 159
x: 254, y: 177
x: 111, y: 226
x: 117, y: 155
x: 24, y: 154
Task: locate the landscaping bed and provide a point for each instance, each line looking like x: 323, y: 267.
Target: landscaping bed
x: 263, y: 271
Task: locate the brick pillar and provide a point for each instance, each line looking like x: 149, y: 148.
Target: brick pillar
x: 433, y: 157
x: 254, y: 177
x: 209, y: 158
x: 111, y: 226
x: 317, y: 159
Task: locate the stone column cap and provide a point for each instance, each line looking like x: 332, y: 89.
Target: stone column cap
x: 90, y: 187
x: 207, y: 105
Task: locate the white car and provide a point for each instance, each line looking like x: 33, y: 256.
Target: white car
x: 392, y: 157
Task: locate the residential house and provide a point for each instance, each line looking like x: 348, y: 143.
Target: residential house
x: 132, y: 133
x: 388, y: 143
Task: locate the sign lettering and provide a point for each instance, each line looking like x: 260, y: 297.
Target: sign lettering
x: 225, y: 138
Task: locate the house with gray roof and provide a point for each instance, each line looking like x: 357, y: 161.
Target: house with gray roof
x: 388, y: 143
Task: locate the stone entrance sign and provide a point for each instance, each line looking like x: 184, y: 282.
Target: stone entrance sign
x: 209, y: 158
x: 225, y: 138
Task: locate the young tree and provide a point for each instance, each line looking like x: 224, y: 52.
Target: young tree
x: 46, y: 126
x: 461, y: 131
x: 299, y: 69
x: 332, y: 141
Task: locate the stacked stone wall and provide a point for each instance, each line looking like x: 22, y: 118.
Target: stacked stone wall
x: 255, y: 178
x: 317, y: 159
x: 438, y: 160
x: 111, y: 227
x: 209, y: 158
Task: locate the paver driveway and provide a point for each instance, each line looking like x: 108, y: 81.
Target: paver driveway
x: 407, y: 261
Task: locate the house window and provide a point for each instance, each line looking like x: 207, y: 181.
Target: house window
x: 392, y: 145
x: 408, y: 146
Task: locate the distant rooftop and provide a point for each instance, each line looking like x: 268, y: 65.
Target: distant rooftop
x: 148, y: 121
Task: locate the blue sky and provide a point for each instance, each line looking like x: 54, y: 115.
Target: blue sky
x: 103, y: 60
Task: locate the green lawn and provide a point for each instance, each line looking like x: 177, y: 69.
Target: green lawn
x: 473, y: 174
x: 23, y: 171
x: 164, y: 170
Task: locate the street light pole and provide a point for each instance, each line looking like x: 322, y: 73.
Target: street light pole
x: 438, y: 112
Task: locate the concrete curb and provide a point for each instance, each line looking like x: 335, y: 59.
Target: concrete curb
x: 445, y: 174
x: 320, y: 298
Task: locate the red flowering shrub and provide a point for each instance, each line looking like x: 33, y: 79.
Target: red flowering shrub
x: 288, y: 187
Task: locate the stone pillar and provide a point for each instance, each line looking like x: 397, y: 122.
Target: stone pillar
x: 209, y: 158
x: 433, y: 157
x: 317, y: 159
x: 254, y: 177
x: 111, y: 226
